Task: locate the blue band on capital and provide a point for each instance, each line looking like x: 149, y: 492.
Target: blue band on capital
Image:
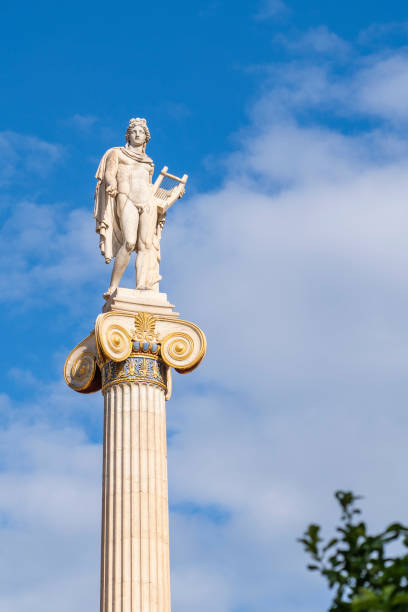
x: 136, y: 368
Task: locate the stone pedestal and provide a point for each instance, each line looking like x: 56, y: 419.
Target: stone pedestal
x: 129, y: 356
x: 134, y: 300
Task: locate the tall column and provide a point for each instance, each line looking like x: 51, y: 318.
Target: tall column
x: 129, y: 356
x: 135, y: 573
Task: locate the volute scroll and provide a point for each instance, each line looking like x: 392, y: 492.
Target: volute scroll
x: 81, y: 371
x: 181, y: 344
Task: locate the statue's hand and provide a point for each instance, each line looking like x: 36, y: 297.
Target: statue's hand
x: 112, y: 191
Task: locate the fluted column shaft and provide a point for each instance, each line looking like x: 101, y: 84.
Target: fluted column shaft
x: 135, y: 572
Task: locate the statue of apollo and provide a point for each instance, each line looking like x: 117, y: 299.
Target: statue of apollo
x: 130, y: 209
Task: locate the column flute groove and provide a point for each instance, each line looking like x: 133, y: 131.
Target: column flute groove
x: 126, y: 509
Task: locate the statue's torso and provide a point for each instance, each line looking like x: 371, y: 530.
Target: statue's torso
x: 133, y: 178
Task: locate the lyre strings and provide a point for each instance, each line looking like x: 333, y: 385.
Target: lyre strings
x: 166, y: 188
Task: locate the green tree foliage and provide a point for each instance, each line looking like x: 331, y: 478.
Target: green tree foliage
x: 356, y: 565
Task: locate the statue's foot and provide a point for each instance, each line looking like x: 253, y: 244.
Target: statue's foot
x: 143, y: 288
x: 109, y: 292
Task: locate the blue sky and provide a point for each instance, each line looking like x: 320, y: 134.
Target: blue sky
x: 289, y: 250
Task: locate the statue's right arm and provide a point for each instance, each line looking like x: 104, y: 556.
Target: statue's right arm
x: 111, y: 172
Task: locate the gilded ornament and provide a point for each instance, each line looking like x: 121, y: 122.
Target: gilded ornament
x: 80, y: 371
x: 116, y: 343
x: 156, y: 371
x: 144, y: 369
x: 131, y: 367
x: 145, y: 327
x: 177, y: 349
x: 136, y: 369
x: 83, y: 367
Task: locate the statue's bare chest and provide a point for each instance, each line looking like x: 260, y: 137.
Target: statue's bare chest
x: 131, y: 169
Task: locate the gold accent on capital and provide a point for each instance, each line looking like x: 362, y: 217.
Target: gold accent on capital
x: 178, y: 346
x: 178, y: 350
x: 145, y: 327
x: 155, y: 359
x: 182, y: 344
x: 144, y: 369
x: 83, y: 367
x: 156, y: 371
x: 80, y: 369
x: 116, y: 343
x: 138, y: 368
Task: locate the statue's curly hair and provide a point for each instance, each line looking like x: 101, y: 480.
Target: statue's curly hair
x: 133, y: 123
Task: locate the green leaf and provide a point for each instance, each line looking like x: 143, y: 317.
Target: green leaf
x: 332, y: 542
x: 363, y: 576
x: 387, y: 592
x: 400, y: 598
x: 365, y: 598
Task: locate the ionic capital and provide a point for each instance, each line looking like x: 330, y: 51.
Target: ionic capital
x: 144, y: 347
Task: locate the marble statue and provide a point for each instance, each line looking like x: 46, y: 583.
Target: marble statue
x: 130, y: 209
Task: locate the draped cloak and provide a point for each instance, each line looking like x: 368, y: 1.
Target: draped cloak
x: 105, y: 209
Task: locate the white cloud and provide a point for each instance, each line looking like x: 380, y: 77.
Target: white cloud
x: 382, y: 32
x: 81, y: 122
x: 269, y: 9
x: 383, y: 87
x: 51, y: 250
x: 318, y: 40
x: 374, y: 87
x: 23, y: 154
x: 49, y: 519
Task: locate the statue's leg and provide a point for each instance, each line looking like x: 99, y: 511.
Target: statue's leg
x: 129, y: 221
x: 147, y: 226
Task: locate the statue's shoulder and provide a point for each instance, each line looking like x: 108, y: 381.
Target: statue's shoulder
x: 102, y: 164
x: 109, y: 153
x: 148, y: 160
x: 112, y: 151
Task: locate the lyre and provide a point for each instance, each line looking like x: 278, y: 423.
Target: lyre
x: 167, y: 189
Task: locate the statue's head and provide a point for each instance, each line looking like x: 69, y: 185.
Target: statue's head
x: 137, y: 133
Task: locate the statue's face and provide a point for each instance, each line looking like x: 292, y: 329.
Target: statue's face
x: 136, y: 136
